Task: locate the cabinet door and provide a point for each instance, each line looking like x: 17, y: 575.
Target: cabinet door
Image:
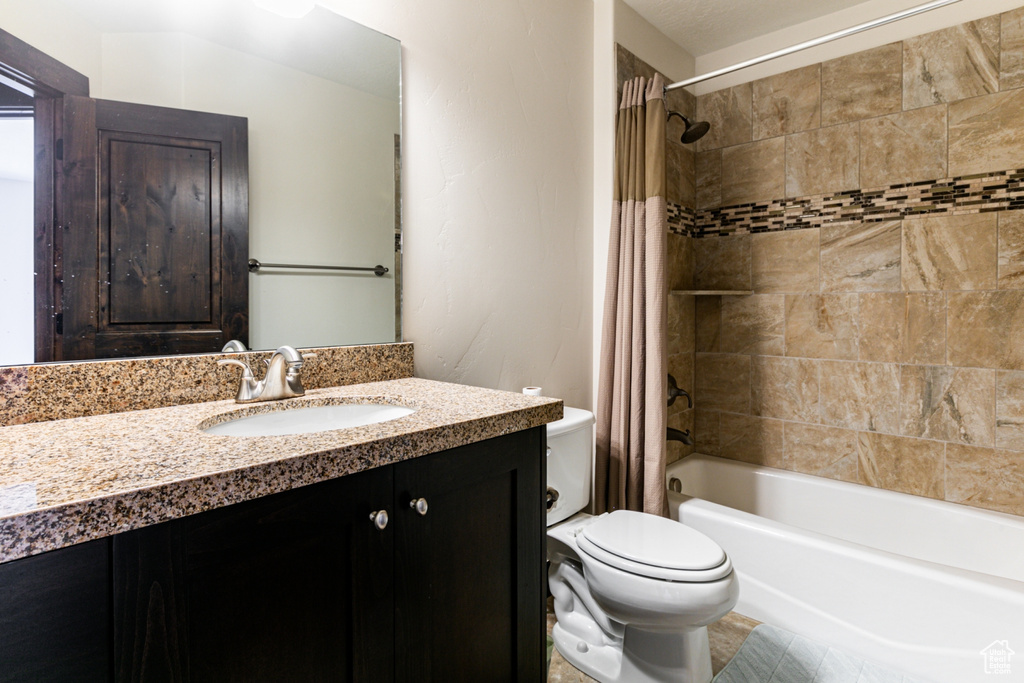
x: 55, y: 615
x: 293, y: 587
x: 469, y: 574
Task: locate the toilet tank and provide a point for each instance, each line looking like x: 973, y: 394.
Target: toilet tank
x: 569, y: 463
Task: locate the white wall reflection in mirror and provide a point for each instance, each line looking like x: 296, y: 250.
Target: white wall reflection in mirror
x: 321, y: 95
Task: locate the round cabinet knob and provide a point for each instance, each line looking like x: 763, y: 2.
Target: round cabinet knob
x: 419, y: 505
x: 379, y: 519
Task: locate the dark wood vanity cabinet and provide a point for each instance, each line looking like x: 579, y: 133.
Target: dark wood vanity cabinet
x: 303, y: 586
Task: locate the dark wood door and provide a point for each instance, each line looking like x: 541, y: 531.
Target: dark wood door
x: 153, y: 238
x: 55, y: 620
x: 293, y: 587
x: 469, y: 578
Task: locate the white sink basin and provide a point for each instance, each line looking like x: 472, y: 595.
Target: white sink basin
x: 308, y: 420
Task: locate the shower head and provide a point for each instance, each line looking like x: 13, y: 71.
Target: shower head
x: 693, y: 130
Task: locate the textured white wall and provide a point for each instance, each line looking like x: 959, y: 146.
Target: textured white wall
x: 497, y: 178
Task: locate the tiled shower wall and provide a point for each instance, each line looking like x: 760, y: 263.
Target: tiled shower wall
x: 870, y: 202
x: 679, y: 169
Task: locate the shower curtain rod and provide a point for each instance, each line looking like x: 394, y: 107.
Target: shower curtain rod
x: 813, y: 43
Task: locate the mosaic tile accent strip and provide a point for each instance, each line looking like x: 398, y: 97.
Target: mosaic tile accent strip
x: 979, y: 193
x: 56, y: 391
x: 682, y: 220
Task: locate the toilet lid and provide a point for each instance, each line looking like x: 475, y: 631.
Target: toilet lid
x: 648, y: 540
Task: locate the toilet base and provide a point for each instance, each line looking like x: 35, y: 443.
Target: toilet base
x: 641, y: 657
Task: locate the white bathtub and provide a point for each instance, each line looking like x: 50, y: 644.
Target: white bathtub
x: 919, y: 585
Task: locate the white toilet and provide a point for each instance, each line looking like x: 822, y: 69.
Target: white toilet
x: 633, y: 592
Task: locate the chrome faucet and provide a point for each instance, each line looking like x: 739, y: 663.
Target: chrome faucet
x: 282, y: 379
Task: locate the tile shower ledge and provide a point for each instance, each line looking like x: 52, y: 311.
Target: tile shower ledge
x: 68, y: 481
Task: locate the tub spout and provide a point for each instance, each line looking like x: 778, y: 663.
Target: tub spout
x: 683, y: 437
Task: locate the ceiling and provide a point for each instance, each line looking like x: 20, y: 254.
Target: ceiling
x: 703, y: 26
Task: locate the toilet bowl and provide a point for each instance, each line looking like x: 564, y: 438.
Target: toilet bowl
x: 633, y: 593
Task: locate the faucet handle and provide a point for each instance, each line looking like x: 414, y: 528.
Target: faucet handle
x: 246, y: 370
x: 248, y: 388
x: 308, y: 355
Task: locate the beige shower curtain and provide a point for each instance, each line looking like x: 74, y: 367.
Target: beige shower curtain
x: 631, y: 412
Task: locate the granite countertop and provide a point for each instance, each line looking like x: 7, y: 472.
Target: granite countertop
x: 67, y: 481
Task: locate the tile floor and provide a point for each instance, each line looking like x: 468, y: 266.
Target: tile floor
x: 726, y: 636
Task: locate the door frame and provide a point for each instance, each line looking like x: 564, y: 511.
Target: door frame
x: 33, y: 72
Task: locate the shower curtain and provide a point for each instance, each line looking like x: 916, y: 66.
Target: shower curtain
x: 631, y: 404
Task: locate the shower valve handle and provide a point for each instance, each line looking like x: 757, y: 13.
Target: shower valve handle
x: 674, y: 391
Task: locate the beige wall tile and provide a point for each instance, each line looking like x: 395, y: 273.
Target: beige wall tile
x: 948, y: 404
x: 986, y: 133
x: 754, y: 324
x: 787, y: 103
x: 862, y: 85
x: 903, y: 148
x: 1010, y: 410
x: 900, y: 464
x: 785, y: 261
x: 673, y: 171
x: 752, y: 439
x: 1011, y: 250
x: 679, y: 261
x: 823, y: 160
x: 924, y: 328
x: 784, y: 388
x: 1011, y: 46
x: 684, y: 102
x: 729, y: 113
x: 754, y: 172
x: 882, y: 325
x: 985, y: 478
x: 985, y: 329
x: 861, y: 396
x: 722, y: 383
x: 722, y: 262
x: 860, y: 257
x: 708, y: 317
x: 709, y: 179
x: 680, y: 323
x: 902, y: 327
x: 822, y: 326
x: 822, y: 451
x: 706, y: 431
x: 950, y: 252
x: 951, y: 64
x: 625, y: 66
x: 687, y: 176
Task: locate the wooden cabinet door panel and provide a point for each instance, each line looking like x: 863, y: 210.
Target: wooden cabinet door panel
x: 293, y: 590
x: 469, y: 573
x: 55, y: 616
x: 296, y: 586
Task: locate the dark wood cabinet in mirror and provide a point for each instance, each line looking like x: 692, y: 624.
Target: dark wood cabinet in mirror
x: 163, y: 148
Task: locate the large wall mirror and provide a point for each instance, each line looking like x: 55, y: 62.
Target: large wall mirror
x: 210, y: 134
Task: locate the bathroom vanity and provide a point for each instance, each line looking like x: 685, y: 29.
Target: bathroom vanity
x: 268, y: 558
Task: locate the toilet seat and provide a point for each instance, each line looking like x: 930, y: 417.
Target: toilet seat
x: 653, y: 547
